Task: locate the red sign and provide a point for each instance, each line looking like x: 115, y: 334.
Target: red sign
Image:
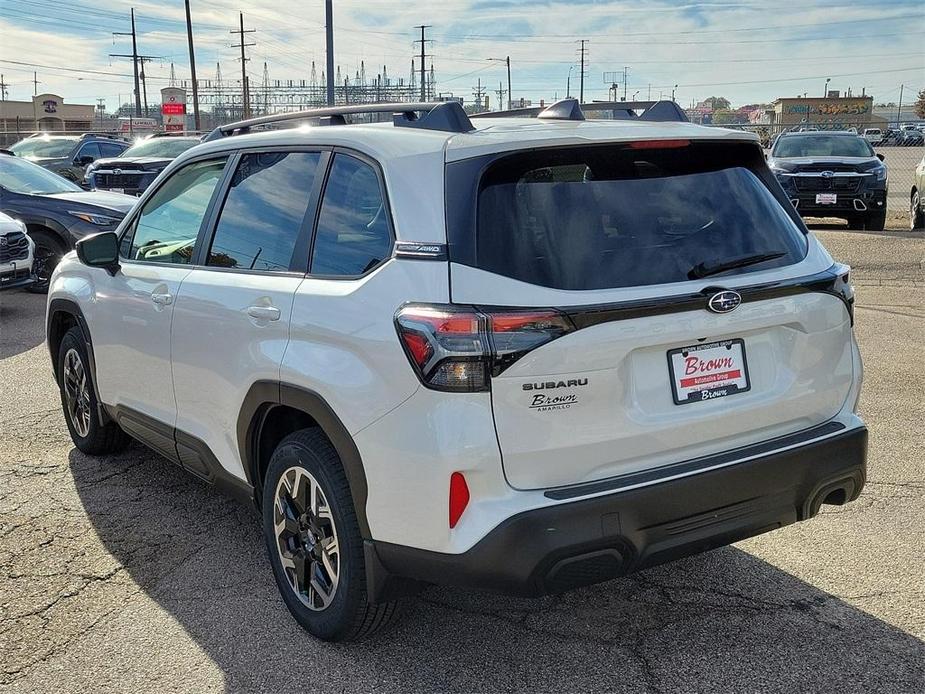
x: 173, y: 109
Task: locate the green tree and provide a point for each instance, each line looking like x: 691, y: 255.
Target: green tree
x: 920, y: 105
x: 719, y: 103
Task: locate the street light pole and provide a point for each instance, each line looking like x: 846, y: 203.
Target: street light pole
x: 825, y: 89
x: 673, y: 91
x: 568, y: 82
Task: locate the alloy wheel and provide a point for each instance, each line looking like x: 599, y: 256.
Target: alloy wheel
x: 306, y: 538
x: 76, y: 392
x: 45, y: 260
x: 914, y: 211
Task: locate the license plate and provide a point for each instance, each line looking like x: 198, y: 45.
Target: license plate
x: 826, y: 198
x: 117, y: 190
x: 708, y: 371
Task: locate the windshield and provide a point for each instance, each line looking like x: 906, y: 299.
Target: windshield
x: 822, y: 146
x: 44, y: 147
x: 166, y: 147
x: 618, y: 216
x: 20, y: 176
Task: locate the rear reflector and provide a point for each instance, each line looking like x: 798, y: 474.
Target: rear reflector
x: 459, y: 497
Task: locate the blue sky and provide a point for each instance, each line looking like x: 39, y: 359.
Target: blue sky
x: 747, y: 50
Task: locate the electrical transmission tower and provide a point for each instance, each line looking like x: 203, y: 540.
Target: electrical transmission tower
x: 582, y: 72
x: 424, y: 55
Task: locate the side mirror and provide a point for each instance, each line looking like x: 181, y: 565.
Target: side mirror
x: 83, y: 160
x: 880, y: 156
x: 100, y: 250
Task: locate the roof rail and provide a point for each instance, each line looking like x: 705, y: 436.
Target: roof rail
x: 570, y: 109
x: 447, y: 116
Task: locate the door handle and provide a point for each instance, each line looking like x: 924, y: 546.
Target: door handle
x: 164, y: 299
x: 263, y: 312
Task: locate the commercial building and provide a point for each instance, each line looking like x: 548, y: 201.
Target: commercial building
x: 47, y: 113
x: 833, y: 111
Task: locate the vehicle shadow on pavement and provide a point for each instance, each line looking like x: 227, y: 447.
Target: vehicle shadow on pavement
x: 720, y: 622
x: 21, y: 328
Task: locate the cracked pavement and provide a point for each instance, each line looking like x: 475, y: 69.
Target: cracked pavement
x: 123, y: 574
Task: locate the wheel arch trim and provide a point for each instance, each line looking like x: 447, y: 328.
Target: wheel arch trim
x: 68, y: 306
x: 262, y: 398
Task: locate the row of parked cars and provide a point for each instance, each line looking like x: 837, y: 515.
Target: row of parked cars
x: 61, y: 188
x: 905, y: 136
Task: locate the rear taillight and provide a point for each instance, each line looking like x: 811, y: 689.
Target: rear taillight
x: 459, y: 348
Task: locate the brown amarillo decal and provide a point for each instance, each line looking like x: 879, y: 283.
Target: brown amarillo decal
x: 543, y: 402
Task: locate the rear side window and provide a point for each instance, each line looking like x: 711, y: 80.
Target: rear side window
x: 618, y: 216
x: 110, y: 149
x: 264, y: 212
x: 353, y: 233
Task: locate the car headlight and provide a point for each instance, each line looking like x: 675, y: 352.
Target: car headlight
x: 100, y: 220
x: 880, y: 172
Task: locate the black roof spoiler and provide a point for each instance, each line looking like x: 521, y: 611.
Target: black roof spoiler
x: 447, y: 116
x: 569, y: 109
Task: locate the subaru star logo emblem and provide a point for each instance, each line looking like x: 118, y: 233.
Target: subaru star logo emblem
x: 3, y: 241
x: 118, y: 172
x: 724, y: 302
x: 827, y: 174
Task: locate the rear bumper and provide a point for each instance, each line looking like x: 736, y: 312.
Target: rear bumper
x: 568, y: 545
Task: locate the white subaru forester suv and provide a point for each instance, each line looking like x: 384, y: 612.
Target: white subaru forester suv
x: 521, y: 354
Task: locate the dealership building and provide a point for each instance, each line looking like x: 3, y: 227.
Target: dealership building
x: 833, y: 111
x: 47, y: 113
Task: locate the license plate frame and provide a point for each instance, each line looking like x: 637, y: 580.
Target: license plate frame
x: 826, y: 198
x: 739, y: 380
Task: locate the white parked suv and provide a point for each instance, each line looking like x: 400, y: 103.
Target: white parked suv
x: 16, y: 254
x: 522, y: 354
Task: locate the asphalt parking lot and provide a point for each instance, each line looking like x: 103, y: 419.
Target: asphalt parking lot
x: 122, y: 574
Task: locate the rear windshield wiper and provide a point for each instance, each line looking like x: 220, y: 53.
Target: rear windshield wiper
x: 704, y: 270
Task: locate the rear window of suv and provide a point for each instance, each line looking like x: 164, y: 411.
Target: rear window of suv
x: 627, y: 215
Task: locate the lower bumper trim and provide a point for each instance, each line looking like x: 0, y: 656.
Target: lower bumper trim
x: 568, y: 545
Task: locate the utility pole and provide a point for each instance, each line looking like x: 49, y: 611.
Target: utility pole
x: 329, y: 48
x: 423, y: 41
x: 899, y: 111
x: 624, y: 82
x: 478, y: 93
x: 581, y: 73
x: 3, y: 89
x: 510, y: 94
x: 35, y: 84
x: 245, y: 91
x: 134, y: 57
x: 101, y: 109
x: 500, y: 93
x: 192, y: 67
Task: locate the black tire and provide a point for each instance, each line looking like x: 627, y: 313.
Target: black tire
x: 855, y: 222
x: 875, y: 221
x: 48, y: 252
x: 88, y: 434
x: 348, y: 616
x: 916, y: 213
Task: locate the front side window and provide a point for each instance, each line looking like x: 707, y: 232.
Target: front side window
x: 166, y: 229
x: 353, y: 233
x: 90, y: 150
x: 264, y: 211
